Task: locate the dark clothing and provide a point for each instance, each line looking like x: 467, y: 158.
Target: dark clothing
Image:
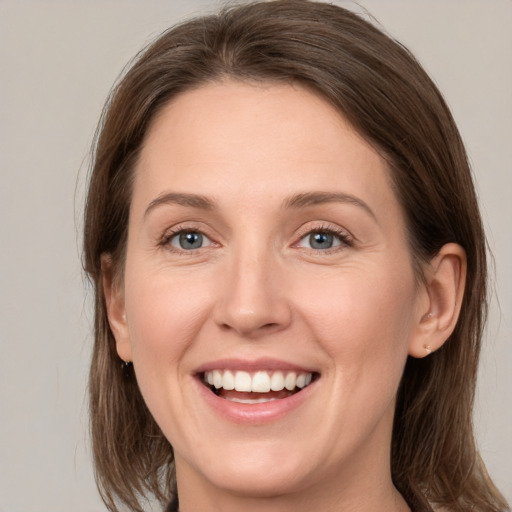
x: 173, y: 506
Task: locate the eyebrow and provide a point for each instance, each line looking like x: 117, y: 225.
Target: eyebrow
x: 300, y: 200
x: 191, y: 200
x: 313, y: 198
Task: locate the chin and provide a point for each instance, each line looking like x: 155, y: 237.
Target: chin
x: 253, y: 470
x: 259, y: 483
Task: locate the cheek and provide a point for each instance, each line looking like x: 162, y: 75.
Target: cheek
x: 370, y: 349
x: 165, y: 314
x: 364, y: 320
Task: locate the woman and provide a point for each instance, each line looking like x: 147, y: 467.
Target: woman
x: 289, y: 267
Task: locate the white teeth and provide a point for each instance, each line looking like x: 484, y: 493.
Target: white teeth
x: 261, y: 382
x: 217, y: 379
x: 243, y: 381
x: 258, y: 382
x: 250, y: 401
x: 301, y: 380
x: 290, y: 381
x: 228, y: 381
x: 277, y: 381
x: 304, y: 379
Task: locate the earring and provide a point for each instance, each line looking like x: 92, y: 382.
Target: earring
x: 427, y: 348
x: 126, y: 364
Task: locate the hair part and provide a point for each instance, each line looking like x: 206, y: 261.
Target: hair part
x: 379, y: 87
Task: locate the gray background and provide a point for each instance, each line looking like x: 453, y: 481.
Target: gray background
x: 58, y: 60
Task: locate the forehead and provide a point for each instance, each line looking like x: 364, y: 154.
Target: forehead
x: 247, y: 140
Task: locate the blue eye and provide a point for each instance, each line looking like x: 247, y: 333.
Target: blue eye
x: 189, y: 240
x: 322, y: 240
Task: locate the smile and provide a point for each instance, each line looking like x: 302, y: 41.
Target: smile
x: 256, y: 387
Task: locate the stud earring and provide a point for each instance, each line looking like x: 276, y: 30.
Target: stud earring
x: 427, y: 348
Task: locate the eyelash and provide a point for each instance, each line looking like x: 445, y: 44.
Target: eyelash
x: 345, y: 239
x: 180, y: 230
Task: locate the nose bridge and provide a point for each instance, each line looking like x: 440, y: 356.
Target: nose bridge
x: 253, y: 299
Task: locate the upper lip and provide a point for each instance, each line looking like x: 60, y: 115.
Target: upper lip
x: 265, y: 364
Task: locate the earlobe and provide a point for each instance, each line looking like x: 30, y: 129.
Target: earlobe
x: 445, y: 279
x: 114, y: 300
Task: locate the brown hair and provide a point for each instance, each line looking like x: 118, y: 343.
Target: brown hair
x: 382, y: 90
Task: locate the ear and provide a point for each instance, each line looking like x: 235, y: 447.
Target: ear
x: 442, y: 295
x: 114, y: 299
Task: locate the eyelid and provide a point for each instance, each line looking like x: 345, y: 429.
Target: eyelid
x: 345, y: 237
x: 185, y: 227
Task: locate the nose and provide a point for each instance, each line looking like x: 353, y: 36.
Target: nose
x: 253, y: 302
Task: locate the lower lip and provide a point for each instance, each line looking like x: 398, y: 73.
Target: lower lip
x: 254, y: 413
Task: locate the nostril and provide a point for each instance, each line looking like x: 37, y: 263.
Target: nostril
x: 246, y: 329
x: 251, y: 319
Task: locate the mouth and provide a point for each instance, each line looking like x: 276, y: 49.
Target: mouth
x: 256, y: 387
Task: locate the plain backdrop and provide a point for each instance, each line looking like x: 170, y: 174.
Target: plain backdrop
x: 58, y: 60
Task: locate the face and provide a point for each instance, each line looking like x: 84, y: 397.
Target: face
x: 266, y: 256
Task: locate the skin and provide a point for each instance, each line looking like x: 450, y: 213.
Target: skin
x: 257, y: 288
